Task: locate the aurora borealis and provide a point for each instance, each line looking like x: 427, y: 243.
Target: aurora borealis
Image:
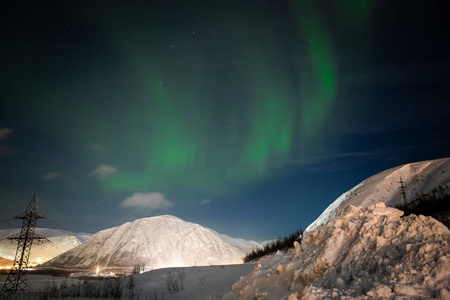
x: 187, y: 145
x: 230, y: 112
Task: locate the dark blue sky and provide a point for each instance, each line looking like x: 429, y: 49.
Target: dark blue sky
x: 248, y: 117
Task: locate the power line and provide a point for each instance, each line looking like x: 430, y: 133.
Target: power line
x: 57, y: 224
x: 17, y: 277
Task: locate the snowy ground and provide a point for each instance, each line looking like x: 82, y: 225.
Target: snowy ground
x: 38, y: 282
x: 198, y: 283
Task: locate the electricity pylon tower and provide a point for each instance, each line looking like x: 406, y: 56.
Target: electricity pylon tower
x: 17, y: 277
x: 402, y: 187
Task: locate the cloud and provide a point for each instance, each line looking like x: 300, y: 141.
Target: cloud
x: 5, y: 132
x: 146, y: 201
x: 102, y: 171
x: 51, y: 175
x: 206, y: 201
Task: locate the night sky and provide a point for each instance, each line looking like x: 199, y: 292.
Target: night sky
x: 248, y: 117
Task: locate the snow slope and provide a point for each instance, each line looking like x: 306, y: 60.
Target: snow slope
x: 418, y: 178
x: 156, y: 242
x: 368, y: 253
x: 59, y: 241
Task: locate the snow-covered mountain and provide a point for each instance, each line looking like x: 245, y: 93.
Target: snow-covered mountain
x: 58, y: 242
x: 155, y: 242
x: 419, y: 178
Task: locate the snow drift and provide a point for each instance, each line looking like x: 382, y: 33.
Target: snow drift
x: 156, y: 242
x: 364, y: 254
x: 419, y: 178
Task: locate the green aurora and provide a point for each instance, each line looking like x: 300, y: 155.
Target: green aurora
x: 192, y: 139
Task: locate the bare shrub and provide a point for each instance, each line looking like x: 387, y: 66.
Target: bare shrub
x: 201, y: 281
x: 175, y: 281
x: 90, y: 290
x: 63, y: 284
x: 43, y: 295
x: 181, y: 276
x: 172, y: 283
x: 112, y: 288
x: 138, y: 268
x: 131, y: 282
x: 51, y: 289
x: 131, y: 292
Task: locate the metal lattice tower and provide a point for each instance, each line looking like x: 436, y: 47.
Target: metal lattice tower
x: 16, y: 281
x: 402, y: 187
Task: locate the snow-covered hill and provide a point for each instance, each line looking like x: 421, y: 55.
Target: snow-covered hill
x: 368, y: 253
x: 59, y: 241
x: 155, y: 242
x: 419, y: 178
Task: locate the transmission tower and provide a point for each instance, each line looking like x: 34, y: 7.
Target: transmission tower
x: 17, y: 277
x: 402, y: 187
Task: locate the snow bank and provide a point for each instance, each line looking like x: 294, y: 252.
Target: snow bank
x: 367, y: 253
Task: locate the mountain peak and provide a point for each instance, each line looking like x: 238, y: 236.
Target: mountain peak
x: 155, y: 242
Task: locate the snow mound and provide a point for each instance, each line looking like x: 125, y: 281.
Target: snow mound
x: 156, y: 242
x: 419, y: 178
x: 367, y: 253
